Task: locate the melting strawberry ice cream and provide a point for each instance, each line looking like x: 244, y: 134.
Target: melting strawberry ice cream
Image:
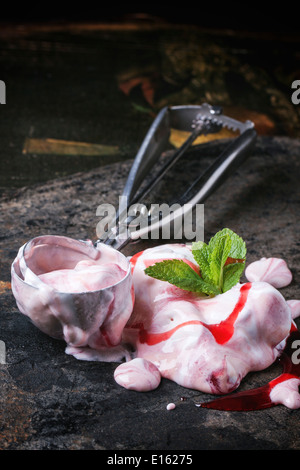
x: 105, y: 307
x: 85, y: 276
x: 74, y: 291
x: 208, y: 344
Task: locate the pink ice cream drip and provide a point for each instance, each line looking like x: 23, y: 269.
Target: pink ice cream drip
x: 138, y: 374
x: 272, y: 270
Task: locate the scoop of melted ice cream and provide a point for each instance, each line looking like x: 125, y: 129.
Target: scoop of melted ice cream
x: 77, y: 292
x: 85, y: 276
x: 208, y: 344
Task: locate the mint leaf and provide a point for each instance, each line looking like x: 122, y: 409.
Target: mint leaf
x: 238, y: 247
x: 219, y: 252
x: 231, y: 275
x: 223, y: 247
x: 221, y: 263
x: 180, y: 274
x: 212, y: 257
x: 202, y: 258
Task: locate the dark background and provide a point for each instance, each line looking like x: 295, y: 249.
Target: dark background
x: 235, y: 15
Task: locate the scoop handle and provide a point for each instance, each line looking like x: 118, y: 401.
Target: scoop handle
x: 225, y: 165
x: 229, y: 160
x: 215, y: 175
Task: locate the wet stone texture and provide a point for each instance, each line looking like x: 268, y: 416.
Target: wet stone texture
x: 50, y: 400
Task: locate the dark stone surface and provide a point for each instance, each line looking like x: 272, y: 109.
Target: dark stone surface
x: 52, y: 401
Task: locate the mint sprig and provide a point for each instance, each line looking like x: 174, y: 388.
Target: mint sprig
x: 180, y: 274
x: 221, y: 263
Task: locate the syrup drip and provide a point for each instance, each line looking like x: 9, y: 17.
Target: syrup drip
x: 134, y: 260
x: 259, y: 398
x: 222, y: 331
